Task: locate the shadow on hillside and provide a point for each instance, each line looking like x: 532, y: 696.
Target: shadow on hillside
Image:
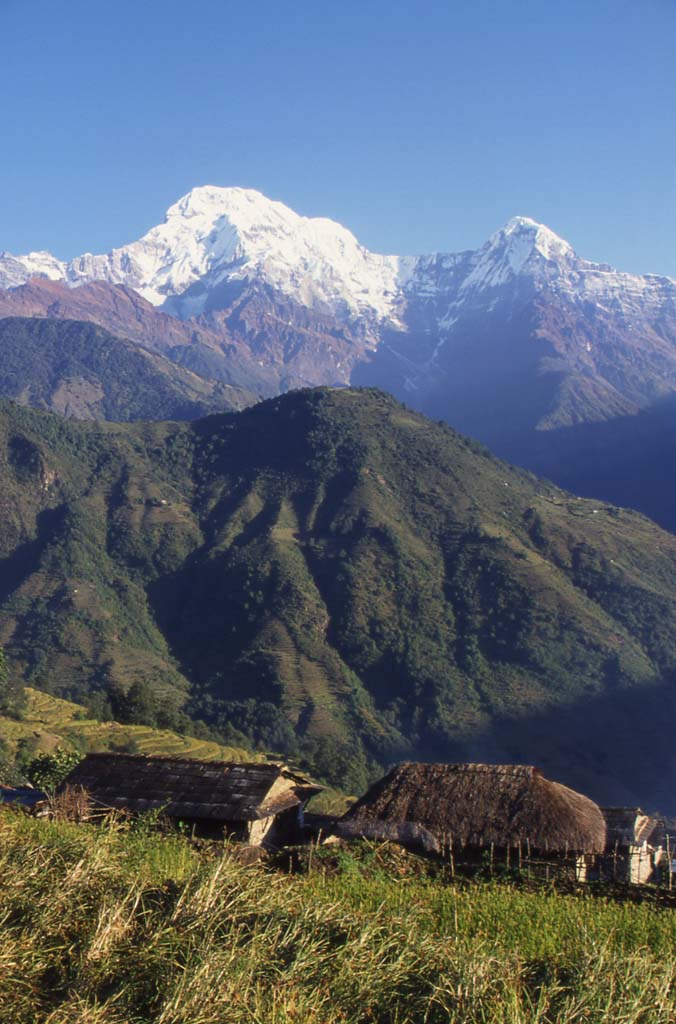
x: 618, y: 748
x: 627, y: 460
x: 25, y: 559
x: 487, y: 391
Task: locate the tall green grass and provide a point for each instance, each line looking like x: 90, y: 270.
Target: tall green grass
x: 115, y: 926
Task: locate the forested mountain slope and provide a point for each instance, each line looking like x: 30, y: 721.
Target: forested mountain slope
x: 82, y: 370
x: 330, y: 574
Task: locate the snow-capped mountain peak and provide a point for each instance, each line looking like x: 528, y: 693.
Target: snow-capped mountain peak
x: 517, y: 246
x: 525, y: 233
x: 213, y: 235
x: 15, y: 270
x: 205, y: 205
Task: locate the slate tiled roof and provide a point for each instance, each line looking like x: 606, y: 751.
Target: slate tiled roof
x: 187, y: 788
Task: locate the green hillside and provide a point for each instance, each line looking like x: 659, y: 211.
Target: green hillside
x: 333, y: 576
x: 81, y: 370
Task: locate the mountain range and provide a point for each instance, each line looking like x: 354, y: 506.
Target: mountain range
x: 331, y: 575
x: 543, y: 355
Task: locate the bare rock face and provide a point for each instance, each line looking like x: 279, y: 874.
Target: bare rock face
x: 118, y: 308
x: 258, y: 340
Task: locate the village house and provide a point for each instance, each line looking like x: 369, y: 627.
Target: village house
x: 636, y: 846
x: 510, y: 814
x: 259, y: 803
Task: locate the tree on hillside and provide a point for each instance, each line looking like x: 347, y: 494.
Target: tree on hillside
x: 12, y: 693
x: 136, y: 706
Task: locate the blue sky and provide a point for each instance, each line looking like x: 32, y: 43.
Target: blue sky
x: 419, y: 125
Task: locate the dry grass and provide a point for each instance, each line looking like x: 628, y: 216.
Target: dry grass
x: 113, y: 926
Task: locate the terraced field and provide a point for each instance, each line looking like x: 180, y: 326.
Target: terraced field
x: 50, y: 722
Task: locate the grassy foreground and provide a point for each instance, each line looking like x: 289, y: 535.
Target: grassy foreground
x: 112, y: 926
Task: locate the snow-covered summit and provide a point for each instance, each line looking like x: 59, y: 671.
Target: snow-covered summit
x: 15, y: 270
x: 213, y: 235
x: 528, y: 236
x: 517, y: 247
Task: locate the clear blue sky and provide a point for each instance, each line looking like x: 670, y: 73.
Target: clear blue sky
x: 419, y: 125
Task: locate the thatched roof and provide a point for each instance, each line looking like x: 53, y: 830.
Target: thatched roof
x: 187, y: 788
x: 480, y: 804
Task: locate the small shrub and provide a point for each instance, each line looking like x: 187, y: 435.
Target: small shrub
x: 46, y: 771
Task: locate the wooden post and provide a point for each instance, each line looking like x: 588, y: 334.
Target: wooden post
x: 528, y: 854
x: 520, y: 857
x: 615, y: 862
x: 669, y: 883
x: 450, y: 851
x: 491, y: 860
